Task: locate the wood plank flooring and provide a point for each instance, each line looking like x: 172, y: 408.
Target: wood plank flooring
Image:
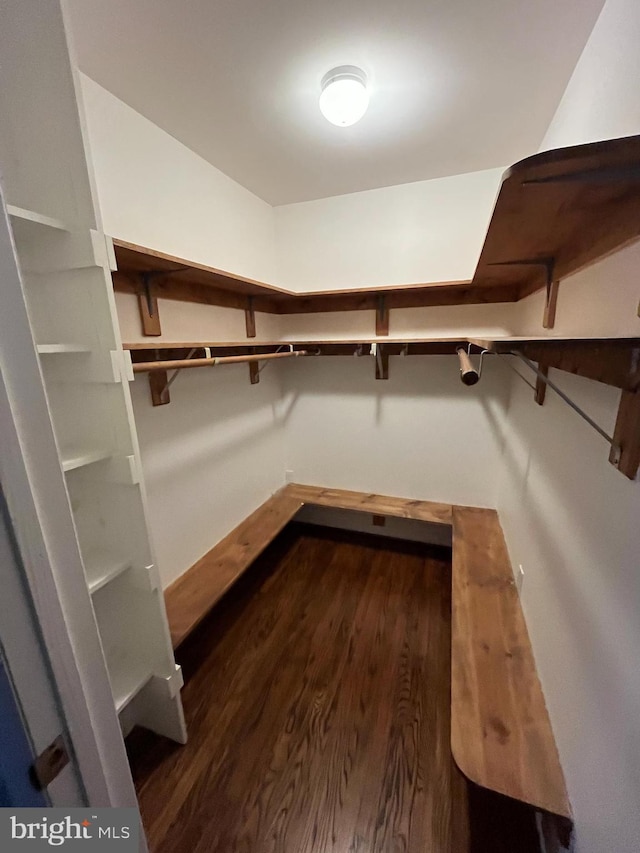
x: 318, y: 705
x: 317, y: 701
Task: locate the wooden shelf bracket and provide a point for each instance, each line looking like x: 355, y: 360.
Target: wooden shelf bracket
x: 382, y: 317
x: 627, y: 435
x: 148, y: 301
x: 551, y: 284
x: 541, y: 384
x: 382, y: 361
x: 250, y: 318
x: 148, y: 307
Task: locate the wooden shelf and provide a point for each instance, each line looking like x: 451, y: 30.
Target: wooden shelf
x: 57, y: 349
x: 556, y: 212
x: 571, y: 206
x: 192, y: 596
x: 249, y: 344
x: 429, y: 511
x: 498, y: 344
x: 169, y: 277
x: 73, y: 458
x: 102, y: 567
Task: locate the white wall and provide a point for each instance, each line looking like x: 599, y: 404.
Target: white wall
x: 601, y: 100
x: 427, y: 231
x: 600, y: 301
x: 192, y: 321
x: 571, y: 520
x: 155, y: 192
x: 439, y: 321
x: 210, y: 457
x: 216, y: 451
x: 419, y: 434
x: 569, y: 517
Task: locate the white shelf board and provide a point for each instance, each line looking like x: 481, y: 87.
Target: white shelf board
x: 54, y: 349
x: 128, y: 678
x: 37, y: 219
x: 74, y: 457
x: 102, y: 567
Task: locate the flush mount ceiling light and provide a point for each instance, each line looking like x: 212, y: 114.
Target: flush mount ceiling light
x: 344, y: 99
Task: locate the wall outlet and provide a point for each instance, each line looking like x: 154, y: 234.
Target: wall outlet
x: 519, y: 579
x: 288, y: 475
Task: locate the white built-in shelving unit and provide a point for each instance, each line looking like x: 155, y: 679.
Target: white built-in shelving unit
x: 65, y: 262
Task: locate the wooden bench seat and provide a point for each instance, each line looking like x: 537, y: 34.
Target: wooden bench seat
x: 194, y: 593
x: 501, y: 735
x: 435, y: 513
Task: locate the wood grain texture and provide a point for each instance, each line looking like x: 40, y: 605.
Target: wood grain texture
x: 627, y: 434
x: 382, y: 317
x: 145, y: 345
x: 435, y: 513
x: 131, y: 257
x: 254, y: 372
x: 573, y: 205
x: 614, y: 361
x: 317, y: 701
x: 149, y: 319
x: 250, y: 319
x: 541, y: 385
x: 176, y: 278
x: 160, y: 393
x: 193, y: 594
x: 550, y: 305
x: 501, y: 736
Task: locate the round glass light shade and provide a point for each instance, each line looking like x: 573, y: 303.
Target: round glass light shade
x: 344, y: 99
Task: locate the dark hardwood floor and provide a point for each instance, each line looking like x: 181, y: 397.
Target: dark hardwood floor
x: 317, y: 699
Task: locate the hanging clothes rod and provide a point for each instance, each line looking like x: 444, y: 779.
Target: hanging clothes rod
x: 576, y: 408
x: 184, y: 363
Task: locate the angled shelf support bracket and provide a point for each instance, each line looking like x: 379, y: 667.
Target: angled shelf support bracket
x: 551, y: 284
x: 541, y: 384
x: 382, y: 360
x: 148, y: 300
x: 160, y: 383
x: 148, y: 306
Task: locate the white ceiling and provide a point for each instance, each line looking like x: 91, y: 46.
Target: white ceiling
x: 457, y: 85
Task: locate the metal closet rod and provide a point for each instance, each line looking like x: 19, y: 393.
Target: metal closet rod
x: 185, y: 363
x: 576, y: 408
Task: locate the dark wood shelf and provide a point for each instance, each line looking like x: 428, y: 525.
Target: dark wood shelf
x: 556, y: 212
x: 561, y: 210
